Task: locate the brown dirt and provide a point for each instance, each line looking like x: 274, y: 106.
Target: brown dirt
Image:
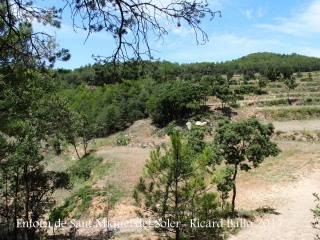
x: 285, y: 184
x: 292, y: 203
x: 128, y: 163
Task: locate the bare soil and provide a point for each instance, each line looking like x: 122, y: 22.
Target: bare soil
x: 292, y: 216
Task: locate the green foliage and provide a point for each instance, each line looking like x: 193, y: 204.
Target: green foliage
x: 310, y: 76
x: 299, y: 75
x: 195, y: 139
x: 265, y: 63
x: 83, y: 167
x: 109, y: 108
x: 248, y: 75
x: 224, y: 181
x: 230, y: 74
x: 112, y: 194
x: 262, y: 82
x: 122, y: 139
x: 290, y: 83
x: 79, y: 200
x: 247, y: 89
x: 174, y: 101
x: 220, y: 88
x: 272, y: 72
x: 286, y: 71
x: 244, y: 144
x: 27, y: 103
x: 173, y: 188
x: 26, y: 186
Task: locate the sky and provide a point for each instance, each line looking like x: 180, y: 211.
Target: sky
x: 246, y: 26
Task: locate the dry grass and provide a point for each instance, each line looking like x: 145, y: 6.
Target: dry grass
x: 127, y: 165
x: 295, y: 160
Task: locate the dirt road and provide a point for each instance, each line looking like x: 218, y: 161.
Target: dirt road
x: 293, y: 216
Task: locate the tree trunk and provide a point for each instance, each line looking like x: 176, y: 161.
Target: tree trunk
x: 75, y: 147
x: 234, y: 189
x: 15, y: 203
x: 26, y: 203
x: 176, y: 209
x: 85, y: 145
x: 176, y: 196
x: 7, y: 204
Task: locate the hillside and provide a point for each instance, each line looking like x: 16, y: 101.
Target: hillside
x: 273, y: 186
x: 93, y: 133
x: 98, y: 74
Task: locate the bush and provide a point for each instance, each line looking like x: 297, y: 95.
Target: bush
x: 233, y: 82
x: 299, y: 75
x: 122, y: 140
x: 247, y: 89
x: 83, y: 167
x: 80, y: 199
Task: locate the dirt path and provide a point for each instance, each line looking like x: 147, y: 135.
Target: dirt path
x: 293, y: 215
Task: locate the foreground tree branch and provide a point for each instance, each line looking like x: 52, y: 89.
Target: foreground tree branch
x: 19, y: 43
x: 133, y: 24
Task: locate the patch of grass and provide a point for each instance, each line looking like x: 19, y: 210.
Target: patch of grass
x: 57, y: 163
x: 275, y: 169
x: 82, y: 168
x: 247, y: 214
x: 266, y: 210
x: 297, y: 95
x: 77, y: 203
x: 100, y: 170
x: 100, y: 142
x: 296, y: 113
x: 112, y: 195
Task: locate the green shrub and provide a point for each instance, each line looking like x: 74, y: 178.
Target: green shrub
x: 247, y: 89
x: 80, y: 200
x: 233, y: 82
x: 195, y: 138
x: 297, y: 113
x: 299, y: 75
x: 122, y: 140
x: 83, y: 167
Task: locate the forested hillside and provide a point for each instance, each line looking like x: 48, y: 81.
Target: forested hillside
x: 262, y: 63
